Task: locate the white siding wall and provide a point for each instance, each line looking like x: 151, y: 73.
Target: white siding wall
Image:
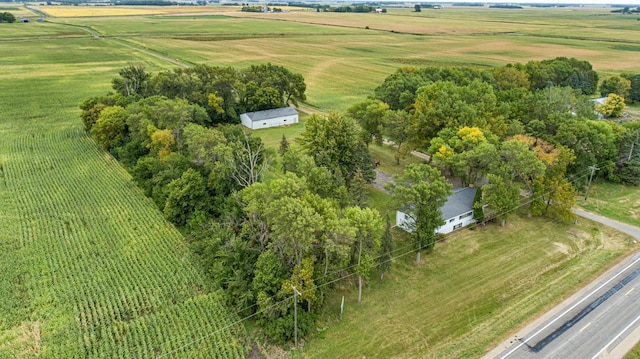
x: 246, y: 121
x: 451, y: 224
x: 454, y: 223
x: 403, y: 221
x: 271, y: 122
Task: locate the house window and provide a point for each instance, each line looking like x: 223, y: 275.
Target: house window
x: 264, y: 124
x: 285, y: 120
x: 466, y: 215
x: 452, y: 220
x: 459, y: 225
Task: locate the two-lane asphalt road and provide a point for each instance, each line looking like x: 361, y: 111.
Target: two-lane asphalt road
x: 600, y: 321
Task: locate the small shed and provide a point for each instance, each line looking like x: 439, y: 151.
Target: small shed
x: 269, y: 118
x: 457, y: 212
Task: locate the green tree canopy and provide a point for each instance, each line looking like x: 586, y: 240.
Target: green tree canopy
x: 7, y: 17
x: 447, y: 105
x: 422, y: 191
x: 615, y: 85
x: 370, y: 114
x: 110, y: 127
x: 335, y: 142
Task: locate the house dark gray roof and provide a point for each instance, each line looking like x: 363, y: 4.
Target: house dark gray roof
x: 461, y: 201
x: 274, y: 113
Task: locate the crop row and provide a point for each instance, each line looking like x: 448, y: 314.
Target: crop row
x: 105, y: 251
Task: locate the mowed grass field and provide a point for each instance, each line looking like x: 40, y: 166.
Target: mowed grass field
x: 619, y: 202
x: 88, y: 266
x: 90, y: 269
x: 474, y: 289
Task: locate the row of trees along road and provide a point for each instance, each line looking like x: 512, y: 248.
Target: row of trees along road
x: 524, y: 128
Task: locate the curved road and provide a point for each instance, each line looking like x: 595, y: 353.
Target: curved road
x: 602, y: 320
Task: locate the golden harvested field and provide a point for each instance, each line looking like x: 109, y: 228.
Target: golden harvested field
x: 83, y: 11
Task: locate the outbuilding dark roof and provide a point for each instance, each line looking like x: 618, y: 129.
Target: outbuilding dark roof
x: 461, y: 201
x: 274, y: 113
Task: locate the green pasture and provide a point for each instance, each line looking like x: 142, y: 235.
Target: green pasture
x: 615, y: 201
x: 469, y: 294
x: 34, y: 29
x: 196, y: 26
x: 343, y: 62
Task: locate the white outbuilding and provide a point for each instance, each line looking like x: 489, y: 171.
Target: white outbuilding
x: 457, y: 212
x: 269, y: 118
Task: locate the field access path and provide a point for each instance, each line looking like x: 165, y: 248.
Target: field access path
x: 602, y: 320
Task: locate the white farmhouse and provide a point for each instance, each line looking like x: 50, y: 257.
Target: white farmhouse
x: 457, y: 212
x: 269, y: 118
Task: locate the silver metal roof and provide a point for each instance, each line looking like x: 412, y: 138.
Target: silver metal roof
x: 274, y: 113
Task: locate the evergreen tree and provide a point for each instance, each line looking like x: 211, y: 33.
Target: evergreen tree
x: 284, y: 148
x: 386, y: 250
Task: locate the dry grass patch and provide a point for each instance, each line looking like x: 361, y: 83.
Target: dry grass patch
x: 24, y: 339
x: 89, y: 11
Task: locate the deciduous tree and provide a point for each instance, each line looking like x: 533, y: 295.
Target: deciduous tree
x: 186, y: 196
x: 613, y: 106
x: 133, y: 81
x: 334, y: 142
x: 502, y: 195
x: 110, y: 128
x: 368, y: 229
x: 615, y: 85
x: 422, y: 191
x: 370, y: 114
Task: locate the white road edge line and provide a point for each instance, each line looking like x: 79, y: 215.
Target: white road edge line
x: 616, y: 337
x: 570, y: 309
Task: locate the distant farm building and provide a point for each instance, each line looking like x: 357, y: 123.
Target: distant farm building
x: 457, y: 212
x: 269, y: 118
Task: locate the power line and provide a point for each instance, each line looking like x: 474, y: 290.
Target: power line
x: 575, y: 178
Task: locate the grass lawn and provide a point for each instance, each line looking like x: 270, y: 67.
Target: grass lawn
x: 271, y: 137
x: 634, y: 354
x: 615, y: 201
x: 388, y: 164
x: 471, y: 292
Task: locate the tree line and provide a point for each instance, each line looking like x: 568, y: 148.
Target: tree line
x: 177, y: 134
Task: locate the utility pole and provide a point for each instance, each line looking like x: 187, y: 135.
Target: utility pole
x: 593, y: 169
x: 295, y: 314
